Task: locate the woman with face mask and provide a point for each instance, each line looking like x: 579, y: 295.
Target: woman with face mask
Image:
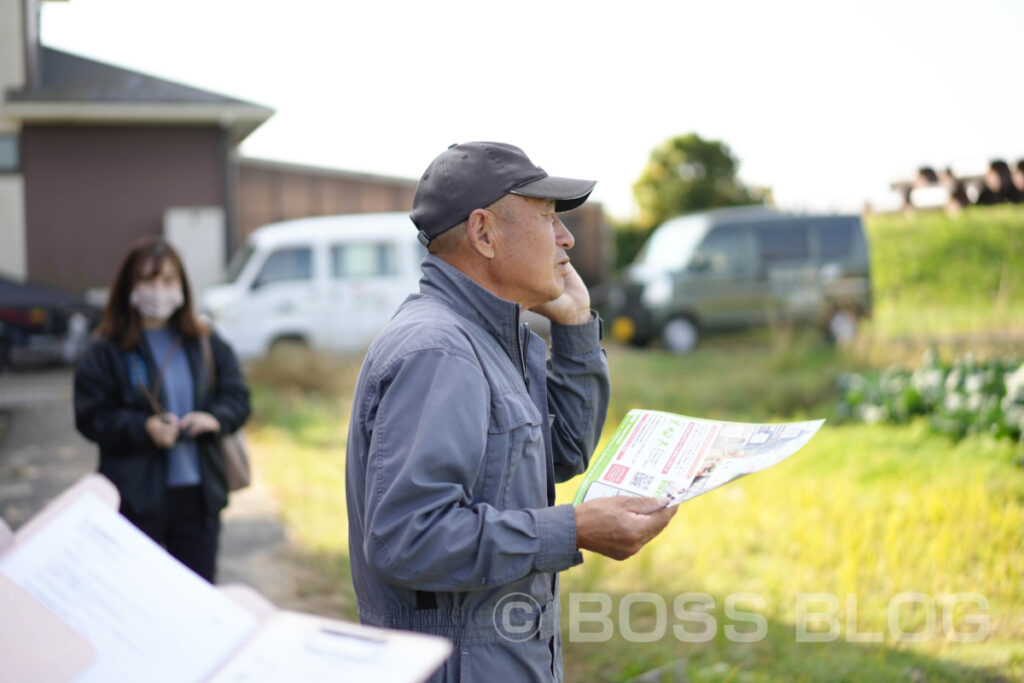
x: 144, y: 395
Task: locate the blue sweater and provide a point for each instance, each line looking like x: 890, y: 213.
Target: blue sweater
x: 183, y: 458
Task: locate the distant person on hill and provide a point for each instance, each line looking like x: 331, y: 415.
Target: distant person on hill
x: 925, y: 177
x: 905, y: 190
x: 957, y: 191
x: 925, y: 190
x: 1018, y: 179
x: 998, y: 187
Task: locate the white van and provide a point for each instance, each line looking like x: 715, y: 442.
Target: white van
x: 329, y: 282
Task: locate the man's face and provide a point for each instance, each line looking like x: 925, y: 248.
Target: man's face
x: 531, y: 262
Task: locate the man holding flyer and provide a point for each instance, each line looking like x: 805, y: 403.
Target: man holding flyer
x: 461, y: 426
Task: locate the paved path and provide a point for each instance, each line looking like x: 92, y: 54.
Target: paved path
x: 41, y: 454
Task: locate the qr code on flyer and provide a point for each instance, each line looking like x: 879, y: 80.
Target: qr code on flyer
x: 641, y: 480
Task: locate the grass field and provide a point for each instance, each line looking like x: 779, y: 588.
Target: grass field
x: 936, y: 275
x: 912, y: 535
x: 863, y: 511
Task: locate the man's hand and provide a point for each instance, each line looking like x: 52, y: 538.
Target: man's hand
x: 163, y: 429
x: 573, y: 306
x: 619, y: 526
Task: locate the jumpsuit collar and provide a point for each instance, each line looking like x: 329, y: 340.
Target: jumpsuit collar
x: 497, y: 316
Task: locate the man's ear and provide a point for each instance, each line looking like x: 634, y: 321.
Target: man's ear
x: 482, y: 232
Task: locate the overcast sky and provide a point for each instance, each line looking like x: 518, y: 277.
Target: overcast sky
x: 824, y: 102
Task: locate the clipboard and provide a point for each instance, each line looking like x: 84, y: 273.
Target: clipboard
x: 79, y: 545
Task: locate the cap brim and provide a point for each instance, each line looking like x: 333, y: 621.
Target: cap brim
x: 567, y: 193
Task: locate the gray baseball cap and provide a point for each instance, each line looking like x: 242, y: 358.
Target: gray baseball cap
x: 474, y: 175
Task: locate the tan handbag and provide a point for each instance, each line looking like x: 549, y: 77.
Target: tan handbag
x: 236, y: 455
x: 236, y: 461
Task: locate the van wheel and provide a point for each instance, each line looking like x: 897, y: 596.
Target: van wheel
x: 680, y: 335
x: 842, y: 326
x: 288, y: 349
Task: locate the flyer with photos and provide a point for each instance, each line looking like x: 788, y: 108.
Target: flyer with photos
x: 654, y: 453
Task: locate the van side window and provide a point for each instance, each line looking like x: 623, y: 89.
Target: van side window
x: 835, y: 239
x: 782, y: 242
x: 368, y: 259
x: 286, y: 264
x: 723, y: 250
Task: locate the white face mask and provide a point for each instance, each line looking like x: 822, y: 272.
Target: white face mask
x: 157, y: 303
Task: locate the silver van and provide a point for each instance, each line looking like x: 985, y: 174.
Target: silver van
x: 740, y: 267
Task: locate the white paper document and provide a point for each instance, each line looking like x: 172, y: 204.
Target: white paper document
x: 655, y: 453
x: 87, y: 597
x: 148, y: 618
x: 296, y: 647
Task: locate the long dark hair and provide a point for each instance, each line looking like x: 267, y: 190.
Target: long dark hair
x: 1007, y: 190
x: 121, y: 323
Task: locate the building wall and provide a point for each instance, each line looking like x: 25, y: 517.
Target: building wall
x: 270, y: 192
x: 92, y: 191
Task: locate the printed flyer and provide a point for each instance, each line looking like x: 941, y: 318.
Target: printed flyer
x: 654, y: 453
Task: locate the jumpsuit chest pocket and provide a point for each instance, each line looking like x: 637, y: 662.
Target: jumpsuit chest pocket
x: 515, y: 454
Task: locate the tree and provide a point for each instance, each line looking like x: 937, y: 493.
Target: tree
x: 685, y: 174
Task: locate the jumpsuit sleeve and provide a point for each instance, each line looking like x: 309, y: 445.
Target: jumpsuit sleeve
x: 422, y: 528
x: 578, y: 393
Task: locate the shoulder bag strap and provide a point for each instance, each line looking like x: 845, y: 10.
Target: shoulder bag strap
x: 211, y: 369
x: 151, y: 395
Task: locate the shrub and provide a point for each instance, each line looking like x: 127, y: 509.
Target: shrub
x: 966, y: 396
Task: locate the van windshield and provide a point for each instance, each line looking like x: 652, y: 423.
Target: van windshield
x: 671, y: 245
x: 237, y: 263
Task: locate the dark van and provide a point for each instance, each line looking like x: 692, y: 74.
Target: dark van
x: 741, y: 267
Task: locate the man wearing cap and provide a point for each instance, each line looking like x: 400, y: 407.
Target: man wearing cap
x: 461, y: 426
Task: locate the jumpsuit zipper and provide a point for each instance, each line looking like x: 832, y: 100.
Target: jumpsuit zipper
x: 521, y: 348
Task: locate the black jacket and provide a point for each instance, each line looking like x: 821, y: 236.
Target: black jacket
x: 111, y: 411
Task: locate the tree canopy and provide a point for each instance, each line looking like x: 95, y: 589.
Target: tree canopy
x: 688, y: 173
